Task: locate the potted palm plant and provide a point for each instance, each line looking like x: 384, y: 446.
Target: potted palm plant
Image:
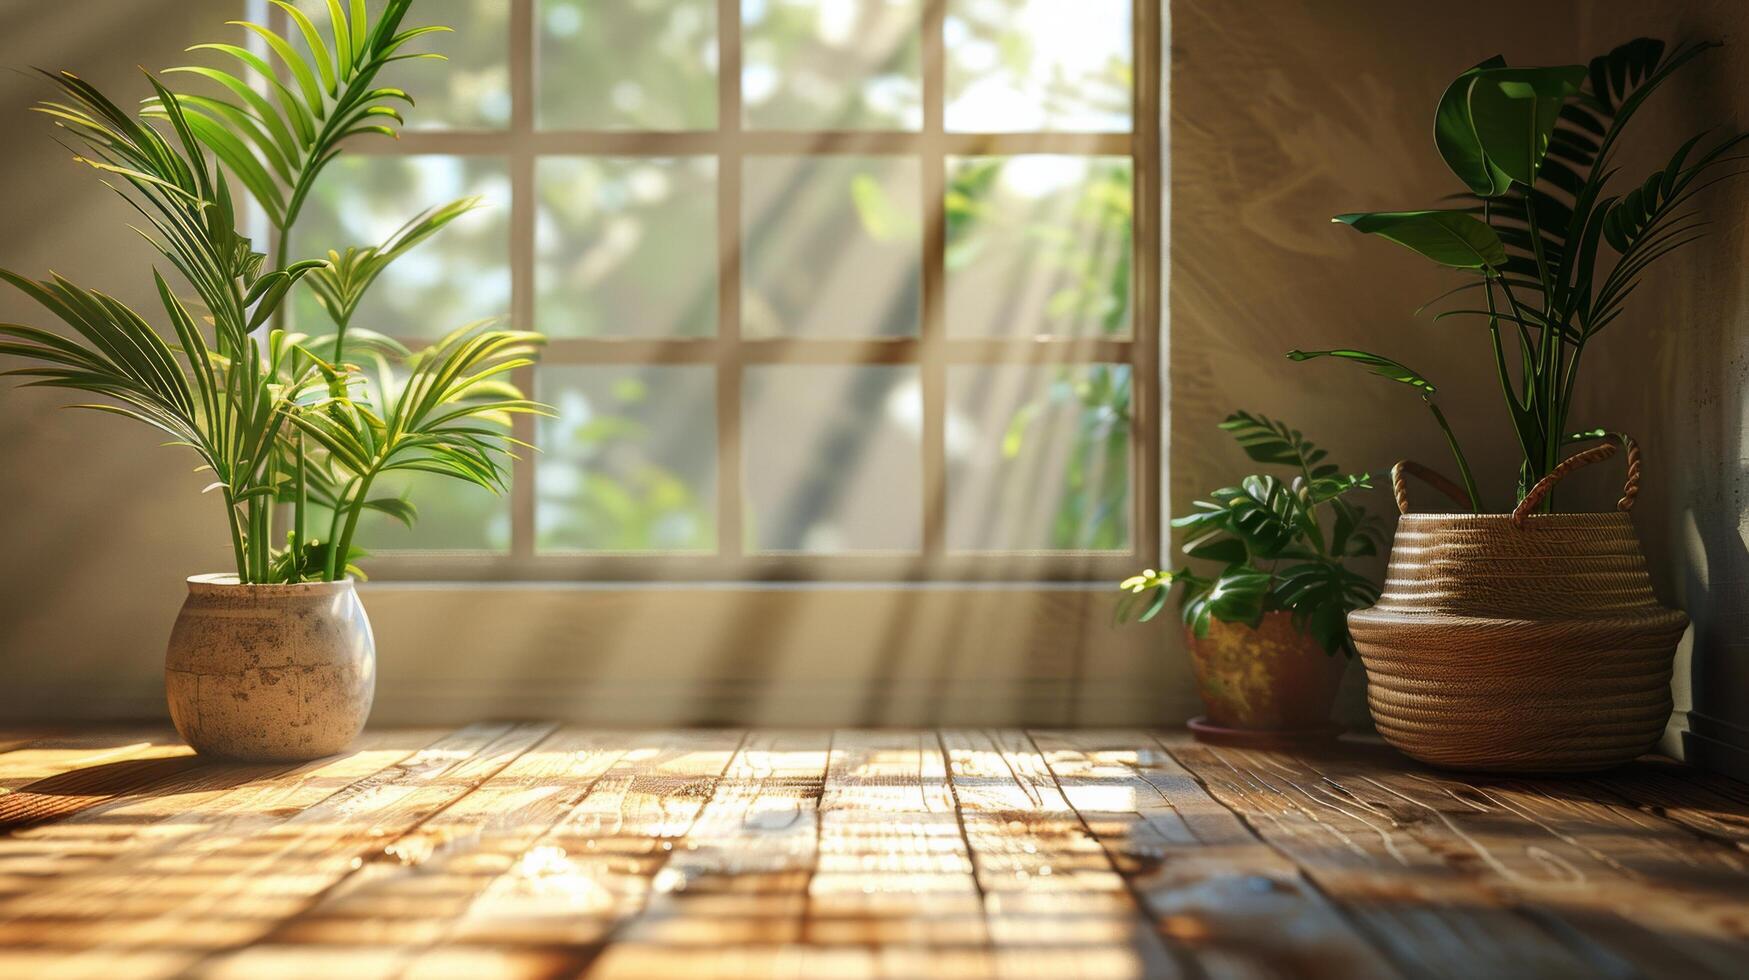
x: 273, y: 659
x: 1529, y: 639
x: 1267, y: 633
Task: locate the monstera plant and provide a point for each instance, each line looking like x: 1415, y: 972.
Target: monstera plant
x: 1278, y: 545
x: 1553, y: 248
x: 289, y: 426
x: 1265, y: 601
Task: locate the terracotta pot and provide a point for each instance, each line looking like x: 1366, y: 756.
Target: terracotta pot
x: 1519, y: 642
x: 1272, y: 678
x: 270, y: 672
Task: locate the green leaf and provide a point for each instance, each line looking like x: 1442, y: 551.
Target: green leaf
x: 1454, y: 132
x: 343, y: 56
x: 1238, y: 596
x: 1262, y: 512
x: 241, y: 162
x: 319, y: 51
x: 1320, y: 595
x: 399, y: 508
x: 1327, y: 488
x: 1514, y: 112
x: 1269, y: 441
x: 299, y: 132
x: 1638, y: 211
x: 1614, y: 74
x: 1451, y: 238
x: 277, y: 127
x: 294, y: 62
x: 1382, y: 366
x: 1227, y: 551
x: 342, y: 282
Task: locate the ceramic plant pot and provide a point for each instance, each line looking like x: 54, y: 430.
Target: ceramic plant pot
x: 1519, y: 642
x: 1271, y: 683
x: 270, y: 672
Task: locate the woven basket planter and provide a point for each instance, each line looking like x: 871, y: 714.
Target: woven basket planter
x: 1519, y: 642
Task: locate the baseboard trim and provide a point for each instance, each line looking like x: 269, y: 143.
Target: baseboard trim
x: 614, y: 704
x: 1717, y: 746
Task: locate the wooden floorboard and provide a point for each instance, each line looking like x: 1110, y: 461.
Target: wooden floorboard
x: 113, y: 844
x: 1232, y: 902
x: 1592, y: 867
x: 1053, y: 902
x: 594, y: 870
x: 530, y: 850
x: 43, y: 779
x: 1715, y: 807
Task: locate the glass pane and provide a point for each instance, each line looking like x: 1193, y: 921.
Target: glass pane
x: 628, y: 64
x: 452, y: 515
x: 832, y: 246
x: 1038, y: 458
x: 1026, y: 65
x: 472, y: 89
x: 832, y: 458
x: 627, y: 247
x: 630, y: 464
x: 1039, y: 245
x: 459, y: 275
x: 832, y: 64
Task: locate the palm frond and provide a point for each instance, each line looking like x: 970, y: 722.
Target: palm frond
x: 340, y: 284
x: 277, y: 143
x: 447, y: 411
x: 1269, y: 441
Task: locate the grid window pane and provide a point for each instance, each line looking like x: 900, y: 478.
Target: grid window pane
x: 630, y: 463
x: 453, y: 515
x: 1038, y: 458
x: 1046, y: 65
x: 832, y: 458
x: 627, y: 64
x: 832, y: 64
x: 832, y: 246
x: 457, y: 276
x: 1039, y: 245
x: 833, y: 325
x: 626, y: 247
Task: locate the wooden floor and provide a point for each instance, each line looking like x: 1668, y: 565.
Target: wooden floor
x: 534, y: 850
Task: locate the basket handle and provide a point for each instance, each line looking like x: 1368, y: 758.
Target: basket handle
x: 1593, y: 455
x: 1431, y: 477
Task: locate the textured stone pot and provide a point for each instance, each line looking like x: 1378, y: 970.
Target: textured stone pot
x: 1272, y: 678
x: 270, y: 672
x: 1520, y: 642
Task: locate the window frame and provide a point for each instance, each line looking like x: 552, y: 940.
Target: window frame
x: 523, y: 143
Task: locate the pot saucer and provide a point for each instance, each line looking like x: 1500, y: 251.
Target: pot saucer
x: 1260, y: 738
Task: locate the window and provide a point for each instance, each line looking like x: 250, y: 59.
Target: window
x: 836, y: 289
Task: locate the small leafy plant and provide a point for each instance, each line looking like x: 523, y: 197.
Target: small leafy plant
x: 1280, y: 546
x: 281, y: 420
x: 1538, y: 222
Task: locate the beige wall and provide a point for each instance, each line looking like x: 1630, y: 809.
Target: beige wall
x: 1283, y: 113
x: 99, y: 524
x: 1673, y: 373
